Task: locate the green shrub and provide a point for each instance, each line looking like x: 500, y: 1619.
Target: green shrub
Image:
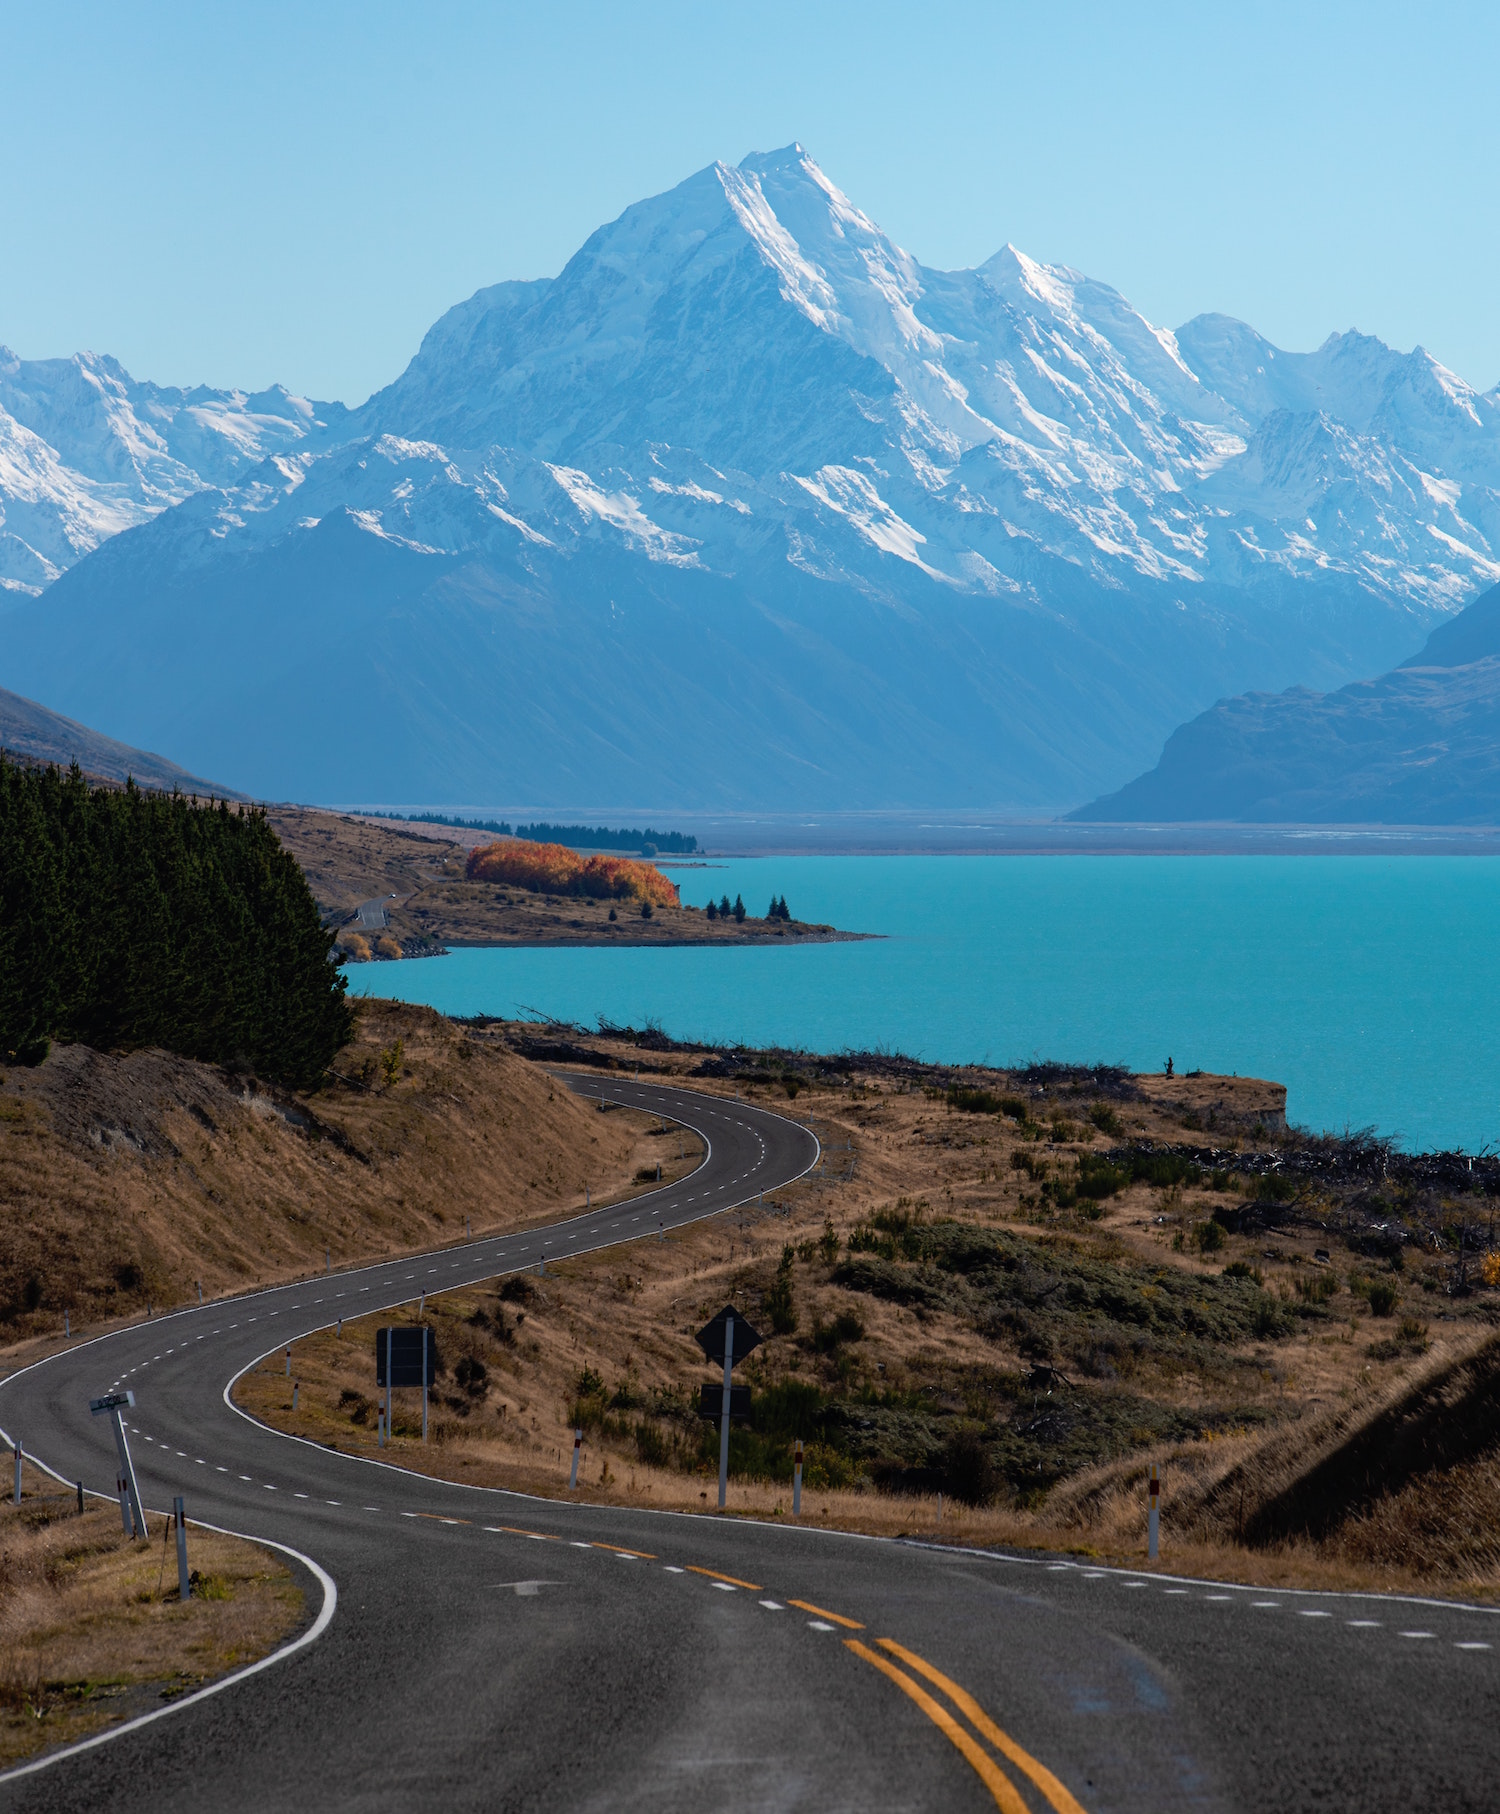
x: 1106, y: 1120
x: 1208, y: 1237
x: 780, y: 1306
x: 1319, y: 1288
x: 1242, y: 1269
x: 970, y: 1474
x: 847, y: 1326
x: 1384, y: 1297
x: 972, y: 1102
x: 1097, y: 1178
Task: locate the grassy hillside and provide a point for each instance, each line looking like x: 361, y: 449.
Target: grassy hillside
x: 127, y: 1180
x: 946, y: 1311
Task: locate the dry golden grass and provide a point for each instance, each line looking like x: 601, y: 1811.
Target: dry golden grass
x: 629, y: 1316
x: 348, y: 860
x: 129, y: 1179
x: 91, y: 1628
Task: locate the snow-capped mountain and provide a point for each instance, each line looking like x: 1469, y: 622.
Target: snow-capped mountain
x: 85, y: 452
x: 1034, y: 529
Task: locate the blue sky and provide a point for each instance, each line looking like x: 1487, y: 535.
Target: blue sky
x: 235, y: 195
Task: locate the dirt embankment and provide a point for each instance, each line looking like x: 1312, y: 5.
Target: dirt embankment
x: 946, y: 1313
x: 419, y: 872
x: 128, y: 1180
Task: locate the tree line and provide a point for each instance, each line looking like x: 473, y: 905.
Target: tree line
x: 142, y: 919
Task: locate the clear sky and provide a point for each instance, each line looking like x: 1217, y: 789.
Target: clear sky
x: 241, y: 194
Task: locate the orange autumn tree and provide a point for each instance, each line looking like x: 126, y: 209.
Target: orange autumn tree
x: 554, y: 869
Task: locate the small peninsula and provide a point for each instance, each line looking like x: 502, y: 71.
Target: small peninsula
x: 409, y: 890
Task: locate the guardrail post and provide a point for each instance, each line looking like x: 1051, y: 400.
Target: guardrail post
x: 184, y: 1586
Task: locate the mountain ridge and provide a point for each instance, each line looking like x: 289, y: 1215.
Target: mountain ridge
x: 1419, y: 745
x: 1005, y: 481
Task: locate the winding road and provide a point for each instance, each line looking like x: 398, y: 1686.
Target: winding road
x: 476, y: 1649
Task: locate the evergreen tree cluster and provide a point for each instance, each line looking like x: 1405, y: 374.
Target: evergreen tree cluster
x: 134, y: 919
x: 778, y: 910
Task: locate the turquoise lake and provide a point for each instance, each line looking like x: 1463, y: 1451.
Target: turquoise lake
x: 1370, y: 986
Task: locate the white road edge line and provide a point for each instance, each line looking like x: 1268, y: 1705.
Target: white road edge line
x: 310, y: 1636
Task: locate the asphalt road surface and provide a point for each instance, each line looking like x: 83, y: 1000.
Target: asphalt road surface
x: 490, y: 1651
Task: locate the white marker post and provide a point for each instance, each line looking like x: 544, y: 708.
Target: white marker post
x: 289, y: 1363
x: 797, y: 1480
x: 184, y: 1586
x: 577, y: 1446
x: 18, y: 1470
x: 68, y: 1325
x: 1153, y: 1515
x: 724, y: 1421
x: 296, y: 1388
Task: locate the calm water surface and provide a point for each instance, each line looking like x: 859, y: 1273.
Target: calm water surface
x: 1369, y: 985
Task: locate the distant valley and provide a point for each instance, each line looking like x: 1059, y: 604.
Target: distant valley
x: 745, y: 508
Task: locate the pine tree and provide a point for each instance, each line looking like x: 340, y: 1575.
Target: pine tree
x: 133, y: 919
x: 739, y: 910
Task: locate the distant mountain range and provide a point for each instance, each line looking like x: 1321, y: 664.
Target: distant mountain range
x: 1418, y: 746
x: 744, y: 508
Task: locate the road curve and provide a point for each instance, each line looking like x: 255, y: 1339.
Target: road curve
x: 493, y: 1651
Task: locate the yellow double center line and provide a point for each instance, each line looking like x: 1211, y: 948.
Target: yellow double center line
x: 1000, y: 1786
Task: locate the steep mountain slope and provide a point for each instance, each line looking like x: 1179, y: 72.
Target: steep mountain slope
x: 1418, y: 746
x: 745, y: 474
x: 28, y: 729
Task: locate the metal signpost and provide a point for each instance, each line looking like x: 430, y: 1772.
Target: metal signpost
x: 727, y: 1339
x: 405, y: 1357
x: 1152, y: 1515
x: 130, y: 1493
